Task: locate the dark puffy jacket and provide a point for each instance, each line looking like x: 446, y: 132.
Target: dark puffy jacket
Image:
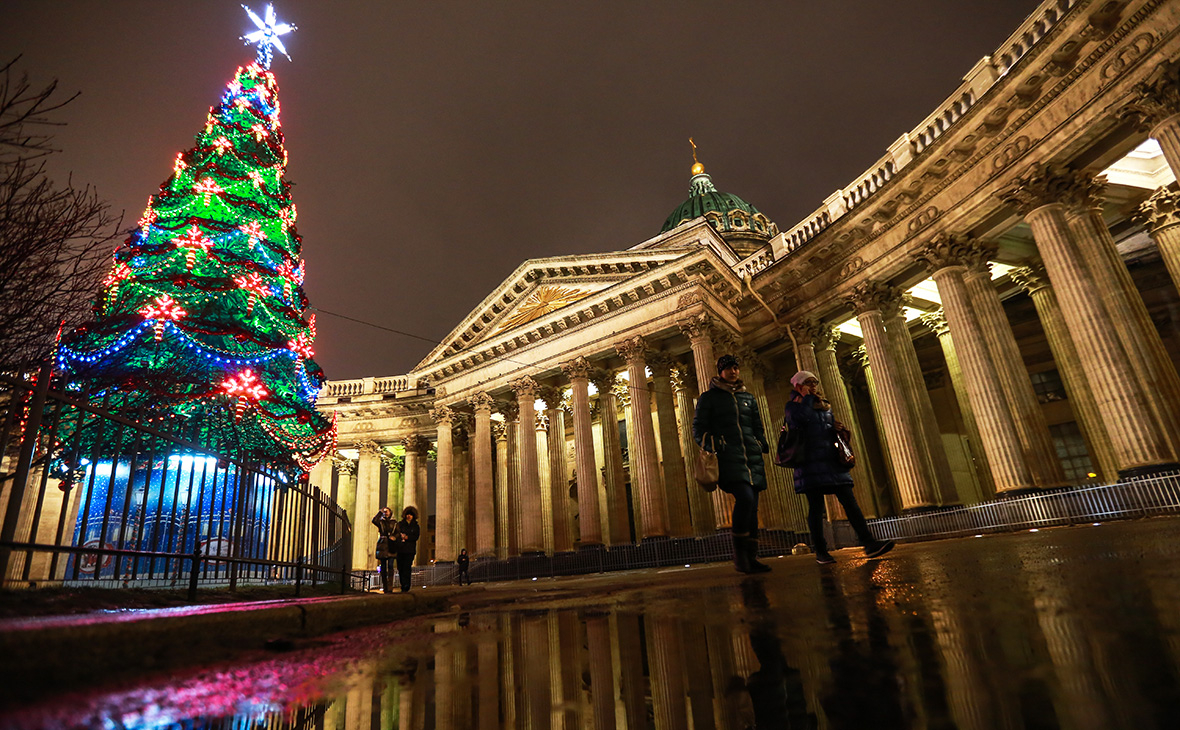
x: 730, y: 415
x: 406, y: 533
x: 821, y: 471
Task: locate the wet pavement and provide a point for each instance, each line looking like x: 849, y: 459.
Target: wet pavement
x: 1067, y: 628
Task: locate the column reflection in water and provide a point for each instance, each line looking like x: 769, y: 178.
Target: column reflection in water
x: 976, y: 635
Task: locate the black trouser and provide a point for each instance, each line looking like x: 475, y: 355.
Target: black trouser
x: 464, y: 574
x: 816, y: 512
x: 386, y: 566
x: 405, y: 566
x: 745, y: 510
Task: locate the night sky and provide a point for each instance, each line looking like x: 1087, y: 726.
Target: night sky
x: 434, y: 146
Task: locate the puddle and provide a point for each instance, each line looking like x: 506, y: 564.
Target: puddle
x: 1057, y: 630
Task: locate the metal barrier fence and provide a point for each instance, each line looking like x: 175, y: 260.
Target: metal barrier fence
x: 1155, y: 495
x: 1142, y: 497
x: 97, y: 495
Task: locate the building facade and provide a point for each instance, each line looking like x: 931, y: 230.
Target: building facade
x: 985, y: 307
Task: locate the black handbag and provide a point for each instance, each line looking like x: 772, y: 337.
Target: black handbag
x: 383, y: 549
x: 789, y: 452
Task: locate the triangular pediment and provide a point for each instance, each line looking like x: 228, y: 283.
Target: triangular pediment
x: 689, y: 234
x: 540, y: 287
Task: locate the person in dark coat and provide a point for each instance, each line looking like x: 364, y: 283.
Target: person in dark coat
x: 405, y: 540
x: 464, y: 562
x: 385, y: 523
x: 821, y: 471
x: 727, y: 421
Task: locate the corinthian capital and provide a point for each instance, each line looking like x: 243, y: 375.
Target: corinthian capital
x: 1047, y: 184
x: 875, y: 296
x: 443, y: 415
x: 524, y: 387
x: 683, y: 378
x: 1160, y: 211
x: 806, y: 330
x: 603, y: 380
x: 944, y: 251
x: 1157, y: 99
x: 632, y: 349
x: 552, y: 396
x: 416, y: 444
x: 369, y: 447
x: 482, y: 402
x: 936, y: 321
x: 696, y: 328
x: 1031, y: 276
x: 660, y: 363
x: 577, y: 368
x: 510, y: 410
x: 826, y: 336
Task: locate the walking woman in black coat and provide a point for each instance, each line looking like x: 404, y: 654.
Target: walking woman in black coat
x: 821, y: 471
x: 405, y: 541
x: 385, y: 524
x: 727, y: 421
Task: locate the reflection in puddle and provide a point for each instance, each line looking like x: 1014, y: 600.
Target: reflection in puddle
x: 1007, y: 638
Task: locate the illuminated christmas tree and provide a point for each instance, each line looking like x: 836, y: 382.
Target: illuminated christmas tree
x: 203, y: 314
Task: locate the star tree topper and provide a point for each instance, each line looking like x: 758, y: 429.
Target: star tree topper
x: 267, y: 35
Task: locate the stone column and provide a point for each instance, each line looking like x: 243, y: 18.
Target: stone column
x: 803, y: 335
x: 589, y: 520
x: 1160, y: 215
x: 937, y: 323
x: 416, y: 447
x: 665, y: 659
x: 1065, y: 355
x: 487, y: 658
x: 346, y: 492
x: 368, y: 493
x: 616, y: 498
x: 531, y: 537
x: 559, y: 474
x: 944, y: 257
x: 700, y: 504
x: 912, y: 478
x: 321, y: 475
x: 779, y: 507
x: 929, y: 434
x: 652, y: 505
x: 602, y: 685
x: 1139, y: 442
x: 511, y: 515
x: 541, y: 433
x: 460, y: 483
x: 444, y: 519
x: 675, y: 479
x: 1140, y: 338
x: 699, y: 331
x: 887, y: 494
x: 500, y: 430
x: 1039, y: 451
x: 836, y: 392
x: 1157, y: 108
x: 485, y: 514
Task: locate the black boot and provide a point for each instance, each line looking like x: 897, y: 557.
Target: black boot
x: 741, y: 558
x: 752, y: 557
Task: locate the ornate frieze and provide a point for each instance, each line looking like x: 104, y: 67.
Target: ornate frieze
x: 1160, y: 211
x: 1158, y: 99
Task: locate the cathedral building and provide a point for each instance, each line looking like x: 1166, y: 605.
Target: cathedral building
x: 991, y: 307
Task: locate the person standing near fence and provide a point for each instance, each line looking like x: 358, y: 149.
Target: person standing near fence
x: 728, y: 416
x: 385, y: 549
x: 820, y: 471
x: 464, y: 563
x: 405, y: 541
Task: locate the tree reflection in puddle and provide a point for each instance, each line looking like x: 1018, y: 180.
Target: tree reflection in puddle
x: 1008, y: 638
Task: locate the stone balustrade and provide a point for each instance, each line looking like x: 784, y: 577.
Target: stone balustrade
x: 370, y: 386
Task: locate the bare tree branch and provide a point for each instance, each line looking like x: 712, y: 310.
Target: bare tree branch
x: 54, y: 240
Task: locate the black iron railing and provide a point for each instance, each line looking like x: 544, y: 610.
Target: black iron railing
x: 97, y: 494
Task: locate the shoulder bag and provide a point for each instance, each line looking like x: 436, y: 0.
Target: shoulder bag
x: 705, y: 469
x: 789, y: 452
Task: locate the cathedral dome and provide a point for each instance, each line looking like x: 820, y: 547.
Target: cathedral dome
x: 742, y: 226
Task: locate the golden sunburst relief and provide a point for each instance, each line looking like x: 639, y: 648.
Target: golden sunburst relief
x: 544, y: 300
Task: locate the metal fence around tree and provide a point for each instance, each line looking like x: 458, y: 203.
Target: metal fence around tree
x: 96, y: 494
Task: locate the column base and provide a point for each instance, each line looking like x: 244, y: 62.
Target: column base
x: 590, y: 547
x: 1020, y: 492
x: 1147, y: 472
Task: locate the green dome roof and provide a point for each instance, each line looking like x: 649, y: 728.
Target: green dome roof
x: 727, y: 213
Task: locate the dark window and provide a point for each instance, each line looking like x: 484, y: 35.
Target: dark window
x: 1048, y: 386
x: 1071, y: 450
